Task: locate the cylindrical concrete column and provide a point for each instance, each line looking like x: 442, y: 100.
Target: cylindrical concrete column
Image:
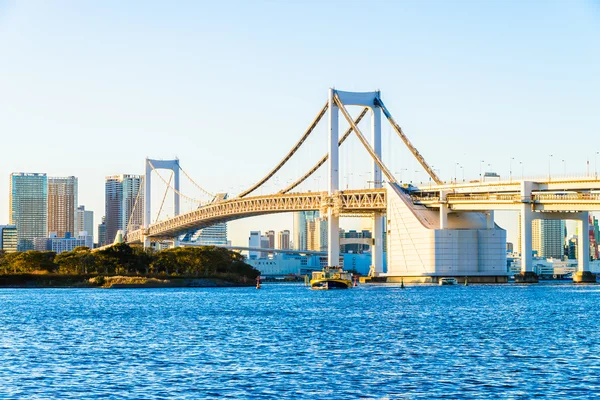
x: 583, y: 243
x: 526, y: 217
x: 333, y: 219
x: 443, y: 211
x: 377, y: 226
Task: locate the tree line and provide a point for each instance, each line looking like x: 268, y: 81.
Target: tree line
x: 122, y: 259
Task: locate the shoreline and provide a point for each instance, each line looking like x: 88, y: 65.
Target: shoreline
x: 47, y: 281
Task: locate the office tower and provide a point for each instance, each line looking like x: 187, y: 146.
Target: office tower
x: 62, y: 203
x: 300, y: 228
x: 124, y: 204
x: 264, y: 244
x: 84, y: 222
x: 271, y: 237
x: 254, y: 241
x: 8, y: 238
x: 316, y: 234
x: 283, y: 240
x: 102, y: 232
x: 28, y: 207
x: 548, y: 238
x: 214, y: 235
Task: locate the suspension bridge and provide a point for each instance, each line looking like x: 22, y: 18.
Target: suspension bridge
x: 433, y: 230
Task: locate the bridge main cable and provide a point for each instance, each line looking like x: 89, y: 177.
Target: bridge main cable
x: 408, y: 144
x: 326, y: 156
x: 312, y: 126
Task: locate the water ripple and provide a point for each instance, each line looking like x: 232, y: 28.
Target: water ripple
x: 286, y: 341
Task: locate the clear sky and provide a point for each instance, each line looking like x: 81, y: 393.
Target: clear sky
x: 92, y: 88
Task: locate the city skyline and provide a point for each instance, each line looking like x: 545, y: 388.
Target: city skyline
x: 466, y: 78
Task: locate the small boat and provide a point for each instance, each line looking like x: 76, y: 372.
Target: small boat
x: 331, y: 278
x: 447, y: 281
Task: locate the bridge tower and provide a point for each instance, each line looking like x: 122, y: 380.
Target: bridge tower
x: 370, y: 100
x: 151, y: 165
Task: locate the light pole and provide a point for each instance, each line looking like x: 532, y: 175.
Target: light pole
x: 564, y: 167
x: 510, y: 169
x: 549, y: 167
x: 455, y: 165
x: 521, y: 162
x: 595, y: 163
x: 402, y: 169
x: 480, y: 176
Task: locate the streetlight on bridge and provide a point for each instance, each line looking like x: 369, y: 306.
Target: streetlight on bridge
x: 480, y: 176
x: 510, y: 169
x: 550, y: 166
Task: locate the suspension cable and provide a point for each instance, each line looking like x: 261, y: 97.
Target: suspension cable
x: 164, y: 197
x: 172, y: 188
x: 195, y: 184
x: 326, y: 157
x: 361, y: 137
x: 407, y: 142
x: 312, y: 126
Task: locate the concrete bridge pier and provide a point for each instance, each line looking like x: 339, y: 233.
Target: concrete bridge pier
x: 333, y: 218
x: 527, y: 275
x: 583, y: 274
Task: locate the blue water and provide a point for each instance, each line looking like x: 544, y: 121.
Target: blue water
x: 286, y: 341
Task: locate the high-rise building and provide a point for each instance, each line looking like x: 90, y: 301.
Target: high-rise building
x: 316, y: 234
x: 28, y: 207
x: 283, y: 241
x: 124, y: 204
x: 214, y: 235
x: 264, y: 244
x: 84, y: 222
x: 548, y: 238
x: 271, y: 236
x: 8, y: 238
x: 102, y: 232
x: 301, y: 220
x: 254, y: 241
x: 62, y: 203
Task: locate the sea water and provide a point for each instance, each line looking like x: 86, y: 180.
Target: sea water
x: 287, y: 341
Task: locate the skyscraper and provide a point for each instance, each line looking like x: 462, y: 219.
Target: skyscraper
x: 271, y: 236
x: 301, y: 220
x: 124, y: 204
x: 28, y: 207
x: 62, y: 202
x: 283, y: 241
x: 102, y: 232
x: 84, y: 222
x: 548, y: 237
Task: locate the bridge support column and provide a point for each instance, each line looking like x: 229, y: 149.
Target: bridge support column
x: 583, y: 274
x: 443, y: 211
x: 175, y: 242
x: 377, y: 248
x: 333, y: 219
x: 527, y: 275
x: 377, y: 226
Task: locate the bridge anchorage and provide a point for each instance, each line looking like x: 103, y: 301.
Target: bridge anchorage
x: 432, y: 232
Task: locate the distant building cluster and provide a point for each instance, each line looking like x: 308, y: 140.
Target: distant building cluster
x: 44, y: 214
x: 550, y: 241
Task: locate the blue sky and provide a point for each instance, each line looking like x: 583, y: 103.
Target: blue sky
x: 92, y: 88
